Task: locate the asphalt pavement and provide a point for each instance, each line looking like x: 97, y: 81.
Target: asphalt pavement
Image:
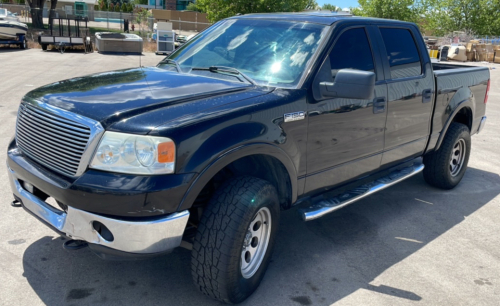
x: 410, y: 244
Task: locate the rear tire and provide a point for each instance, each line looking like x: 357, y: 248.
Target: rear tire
x: 446, y: 167
x: 231, y: 234
x: 44, y: 47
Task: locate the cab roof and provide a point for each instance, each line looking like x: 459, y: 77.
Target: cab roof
x: 319, y: 17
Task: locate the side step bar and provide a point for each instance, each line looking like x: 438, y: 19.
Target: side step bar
x: 326, y: 206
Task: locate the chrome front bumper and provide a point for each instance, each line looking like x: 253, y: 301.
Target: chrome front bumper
x: 138, y: 237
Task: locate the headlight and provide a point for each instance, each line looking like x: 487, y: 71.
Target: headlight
x: 135, y: 154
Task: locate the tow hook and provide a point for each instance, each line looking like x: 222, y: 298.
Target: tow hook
x: 73, y: 245
x: 15, y: 203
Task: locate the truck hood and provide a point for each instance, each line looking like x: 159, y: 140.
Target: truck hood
x: 114, y: 96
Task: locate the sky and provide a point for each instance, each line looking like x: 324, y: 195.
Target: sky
x: 341, y: 3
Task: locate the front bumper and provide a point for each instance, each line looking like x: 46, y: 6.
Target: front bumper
x: 153, y: 235
x: 104, y: 193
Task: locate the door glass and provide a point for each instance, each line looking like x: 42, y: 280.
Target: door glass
x: 402, y: 53
x: 352, y: 50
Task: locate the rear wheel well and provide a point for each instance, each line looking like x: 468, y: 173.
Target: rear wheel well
x: 261, y: 166
x: 464, y: 116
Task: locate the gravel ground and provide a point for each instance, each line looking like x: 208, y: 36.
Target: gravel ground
x: 407, y: 245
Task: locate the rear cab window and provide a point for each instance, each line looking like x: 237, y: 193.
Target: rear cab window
x: 402, y: 53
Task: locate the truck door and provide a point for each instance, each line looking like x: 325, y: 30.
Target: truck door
x: 346, y: 136
x: 410, y: 85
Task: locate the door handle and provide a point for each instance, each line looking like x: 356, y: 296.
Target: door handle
x: 379, y: 105
x: 426, y: 95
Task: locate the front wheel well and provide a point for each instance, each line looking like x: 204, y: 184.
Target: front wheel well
x: 260, y: 166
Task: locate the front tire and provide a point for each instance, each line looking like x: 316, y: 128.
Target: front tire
x: 446, y: 167
x: 235, y: 237
x: 24, y: 44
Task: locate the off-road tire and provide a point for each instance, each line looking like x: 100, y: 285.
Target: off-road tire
x: 217, y: 248
x: 44, y: 47
x: 437, y: 171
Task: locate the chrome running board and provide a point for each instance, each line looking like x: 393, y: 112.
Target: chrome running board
x: 326, y: 206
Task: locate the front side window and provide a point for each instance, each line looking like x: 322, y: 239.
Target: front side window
x: 402, y: 53
x: 352, y: 50
x: 270, y: 52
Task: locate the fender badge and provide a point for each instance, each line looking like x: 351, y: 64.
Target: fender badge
x: 294, y: 116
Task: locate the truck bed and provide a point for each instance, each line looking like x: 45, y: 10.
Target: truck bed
x: 456, y: 84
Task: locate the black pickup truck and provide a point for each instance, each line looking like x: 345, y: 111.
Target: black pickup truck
x: 255, y: 115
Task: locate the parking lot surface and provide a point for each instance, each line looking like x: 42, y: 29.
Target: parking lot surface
x: 410, y: 244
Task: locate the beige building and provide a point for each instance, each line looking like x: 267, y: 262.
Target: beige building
x: 183, y: 20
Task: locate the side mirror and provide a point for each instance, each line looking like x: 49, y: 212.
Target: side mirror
x: 350, y: 84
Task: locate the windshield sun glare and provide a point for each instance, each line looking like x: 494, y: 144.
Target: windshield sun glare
x: 270, y: 52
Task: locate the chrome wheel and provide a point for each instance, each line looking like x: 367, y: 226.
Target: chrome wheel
x: 457, y: 157
x: 256, y: 242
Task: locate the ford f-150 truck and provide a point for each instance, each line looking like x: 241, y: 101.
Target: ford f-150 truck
x: 255, y: 115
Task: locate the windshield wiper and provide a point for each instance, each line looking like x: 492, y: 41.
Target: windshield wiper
x: 171, y: 61
x: 226, y: 70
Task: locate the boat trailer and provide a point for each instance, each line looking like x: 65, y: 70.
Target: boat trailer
x: 19, y: 41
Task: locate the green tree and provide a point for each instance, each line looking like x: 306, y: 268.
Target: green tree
x: 103, y: 5
x: 478, y: 17
x: 220, y: 9
x: 405, y: 10
x: 331, y: 7
x: 142, y: 18
x: 117, y: 7
x: 193, y: 7
x: 312, y: 5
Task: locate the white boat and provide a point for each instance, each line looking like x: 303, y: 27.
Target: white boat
x: 10, y: 27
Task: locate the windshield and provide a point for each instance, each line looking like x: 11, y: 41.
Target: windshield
x: 273, y: 53
x: 3, y: 12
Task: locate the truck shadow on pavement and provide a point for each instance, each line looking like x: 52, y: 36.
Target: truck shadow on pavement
x: 314, y: 263
x: 6, y: 49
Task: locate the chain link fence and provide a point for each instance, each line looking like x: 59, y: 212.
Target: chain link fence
x: 107, y: 20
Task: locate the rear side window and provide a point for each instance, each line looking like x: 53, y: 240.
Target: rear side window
x: 352, y: 50
x: 402, y: 53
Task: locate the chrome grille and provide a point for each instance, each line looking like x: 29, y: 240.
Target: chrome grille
x: 51, y: 140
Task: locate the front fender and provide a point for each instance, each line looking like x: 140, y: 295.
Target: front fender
x: 232, y: 155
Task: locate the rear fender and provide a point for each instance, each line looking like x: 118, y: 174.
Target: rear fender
x: 463, y: 98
